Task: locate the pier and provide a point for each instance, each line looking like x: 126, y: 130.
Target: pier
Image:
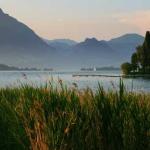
x: 115, y: 76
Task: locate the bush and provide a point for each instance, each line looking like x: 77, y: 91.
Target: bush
x: 126, y: 68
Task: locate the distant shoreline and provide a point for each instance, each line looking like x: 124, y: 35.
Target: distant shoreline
x: 110, y: 68
x: 4, y: 67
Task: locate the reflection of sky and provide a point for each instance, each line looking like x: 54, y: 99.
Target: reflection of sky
x: 78, y: 19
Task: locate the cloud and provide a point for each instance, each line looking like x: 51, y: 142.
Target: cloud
x: 139, y: 19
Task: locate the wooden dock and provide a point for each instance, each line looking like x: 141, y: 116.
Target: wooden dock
x: 114, y: 76
x: 96, y: 75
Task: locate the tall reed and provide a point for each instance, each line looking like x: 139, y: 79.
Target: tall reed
x: 61, y: 118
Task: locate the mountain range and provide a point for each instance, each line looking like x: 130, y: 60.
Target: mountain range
x: 92, y: 52
x: 20, y: 46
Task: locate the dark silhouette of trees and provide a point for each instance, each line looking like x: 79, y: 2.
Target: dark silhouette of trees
x: 146, y: 48
x: 134, y: 62
x: 140, y: 60
x: 126, y: 68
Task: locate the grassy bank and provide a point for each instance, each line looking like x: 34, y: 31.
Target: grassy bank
x: 49, y: 118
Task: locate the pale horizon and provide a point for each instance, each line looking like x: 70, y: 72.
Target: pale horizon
x: 77, y: 20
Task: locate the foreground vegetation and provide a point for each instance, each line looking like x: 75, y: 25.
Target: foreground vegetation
x: 50, y: 118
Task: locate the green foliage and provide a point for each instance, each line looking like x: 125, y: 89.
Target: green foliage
x: 146, y: 47
x: 12, y: 132
x: 134, y: 62
x: 141, y: 57
x: 126, y: 68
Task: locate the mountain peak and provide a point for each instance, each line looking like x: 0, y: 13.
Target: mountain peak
x: 1, y: 11
x: 91, y: 40
x: 129, y: 37
x: 18, y: 41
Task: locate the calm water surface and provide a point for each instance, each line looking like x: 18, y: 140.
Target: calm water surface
x: 15, y: 78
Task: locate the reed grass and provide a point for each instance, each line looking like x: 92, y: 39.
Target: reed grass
x: 61, y: 118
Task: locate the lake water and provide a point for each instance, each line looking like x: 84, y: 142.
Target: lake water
x: 15, y: 78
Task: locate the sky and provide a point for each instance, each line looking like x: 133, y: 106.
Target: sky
x: 79, y: 19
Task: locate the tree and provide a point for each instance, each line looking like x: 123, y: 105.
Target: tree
x: 146, y: 49
x: 143, y: 54
x: 140, y: 60
x: 134, y: 62
x: 146, y: 43
x: 141, y: 57
x: 126, y: 68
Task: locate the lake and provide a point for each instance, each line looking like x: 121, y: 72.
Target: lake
x: 15, y: 78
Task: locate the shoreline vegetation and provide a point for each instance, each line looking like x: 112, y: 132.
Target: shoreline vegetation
x: 61, y: 118
x: 140, y: 60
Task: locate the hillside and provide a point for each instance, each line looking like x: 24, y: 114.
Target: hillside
x: 19, y: 45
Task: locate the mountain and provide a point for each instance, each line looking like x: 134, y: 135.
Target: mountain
x: 92, y: 52
x: 62, y: 46
x: 21, y: 46
x: 59, y: 45
x: 128, y: 38
x: 63, y: 41
x: 93, y: 42
x: 125, y: 45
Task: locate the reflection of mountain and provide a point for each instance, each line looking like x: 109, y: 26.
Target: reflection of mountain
x: 20, y: 46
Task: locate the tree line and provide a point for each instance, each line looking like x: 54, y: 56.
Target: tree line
x: 140, y: 60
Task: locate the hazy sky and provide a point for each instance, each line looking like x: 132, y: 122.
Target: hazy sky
x: 78, y: 19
